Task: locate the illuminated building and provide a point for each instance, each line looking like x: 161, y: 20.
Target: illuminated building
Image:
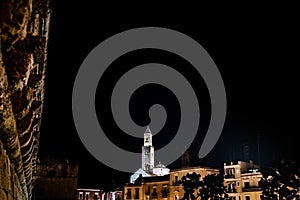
x: 148, y: 168
x: 89, y: 194
x: 241, y: 180
x: 148, y: 152
x: 159, y: 182
x: 162, y: 187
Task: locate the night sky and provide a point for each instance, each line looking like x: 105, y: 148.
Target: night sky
x: 256, y: 53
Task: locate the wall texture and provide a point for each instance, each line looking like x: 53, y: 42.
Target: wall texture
x: 10, y: 187
x: 24, y: 27
x: 56, y: 179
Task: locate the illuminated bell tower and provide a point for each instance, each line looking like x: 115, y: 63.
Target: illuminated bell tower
x: 148, y: 152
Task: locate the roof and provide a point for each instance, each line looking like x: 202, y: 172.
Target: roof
x: 198, y: 167
x: 148, y: 130
x: 159, y: 165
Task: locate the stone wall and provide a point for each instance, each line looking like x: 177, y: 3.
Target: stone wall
x: 56, y: 179
x: 10, y: 187
x: 24, y: 27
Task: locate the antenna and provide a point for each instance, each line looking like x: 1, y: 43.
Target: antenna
x: 258, y: 148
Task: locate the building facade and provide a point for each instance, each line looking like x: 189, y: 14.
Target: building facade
x: 163, y: 187
x: 98, y: 194
x: 89, y: 194
x: 159, y: 182
x: 242, y: 180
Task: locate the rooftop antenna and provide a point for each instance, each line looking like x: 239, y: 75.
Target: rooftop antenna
x: 258, y: 148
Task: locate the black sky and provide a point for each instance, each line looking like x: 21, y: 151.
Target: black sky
x: 255, y: 51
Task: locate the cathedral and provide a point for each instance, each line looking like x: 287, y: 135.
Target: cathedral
x: 157, y: 181
x: 148, y: 169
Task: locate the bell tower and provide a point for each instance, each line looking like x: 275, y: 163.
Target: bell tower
x: 148, y: 152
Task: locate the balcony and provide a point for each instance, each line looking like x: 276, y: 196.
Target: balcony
x: 231, y: 190
x: 229, y: 176
x: 251, y: 189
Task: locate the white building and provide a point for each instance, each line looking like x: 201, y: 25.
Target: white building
x: 147, y: 152
x: 148, y: 168
x: 161, y: 170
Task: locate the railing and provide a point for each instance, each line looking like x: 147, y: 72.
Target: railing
x: 251, y: 189
x: 233, y: 190
x: 229, y: 176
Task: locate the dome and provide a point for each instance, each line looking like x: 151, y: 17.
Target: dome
x: 159, y: 165
x: 161, y: 170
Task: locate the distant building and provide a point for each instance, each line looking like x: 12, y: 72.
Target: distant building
x: 176, y: 190
x: 155, y: 187
x: 98, y: 194
x: 159, y: 182
x: 185, y: 159
x: 148, y: 169
x: 89, y: 194
x: 241, y: 180
x: 162, y: 187
x: 55, y: 179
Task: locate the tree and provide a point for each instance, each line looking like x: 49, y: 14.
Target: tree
x: 191, y: 183
x: 212, y: 187
x: 281, y: 181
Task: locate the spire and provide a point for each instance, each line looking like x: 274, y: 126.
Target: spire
x: 148, y: 130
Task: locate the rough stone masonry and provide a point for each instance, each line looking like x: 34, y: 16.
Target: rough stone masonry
x: 24, y: 28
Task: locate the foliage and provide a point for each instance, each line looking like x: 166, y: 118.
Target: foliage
x: 281, y: 181
x: 210, y: 188
x: 191, y: 183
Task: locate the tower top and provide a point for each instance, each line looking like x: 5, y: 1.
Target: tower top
x: 148, y: 137
x: 148, y: 152
x: 148, y: 130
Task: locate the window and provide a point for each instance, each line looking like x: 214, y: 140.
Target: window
x: 137, y: 193
x: 148, y: 191
x: 81, y: 195
x: 229, y: 173
x: 261, y: 197
x: 128, y: 194
x: 247, y: 184
x: 96, y: 196
x: 154, y: 193
x: 247, y: 197
x: 164, y: 192
x: 176, y: 180
x: 231, y: 187
x: 87, y: 195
